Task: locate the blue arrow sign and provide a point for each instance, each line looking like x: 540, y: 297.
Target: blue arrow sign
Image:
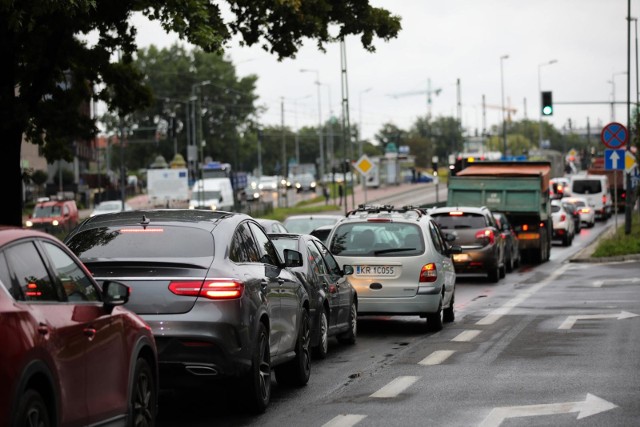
x: 614, y: 159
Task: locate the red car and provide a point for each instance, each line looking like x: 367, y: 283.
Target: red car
x: 71, y: 355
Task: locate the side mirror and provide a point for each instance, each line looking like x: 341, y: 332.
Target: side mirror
x: 347, y: 270
x: 114, y: 293
x: 292, y: 258
x: 454, y: 249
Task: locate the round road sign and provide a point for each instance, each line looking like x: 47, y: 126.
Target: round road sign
x: 614, y: 135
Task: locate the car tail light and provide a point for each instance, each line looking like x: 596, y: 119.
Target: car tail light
x: 428, y: 273
x: 456, y: 213
x: 211, y: 289
x: 624, y: 195
x: 525, y: 227
x: 585, y: 210
x: 604, y: 199
x: 563, y: 217
x: 486, y: 235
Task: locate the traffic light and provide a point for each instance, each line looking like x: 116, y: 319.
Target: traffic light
x: 547, y: 104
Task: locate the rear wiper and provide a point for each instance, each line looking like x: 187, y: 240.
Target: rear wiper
x: 387, y: 251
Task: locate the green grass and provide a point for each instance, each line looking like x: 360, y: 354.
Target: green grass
x: 619, y: 243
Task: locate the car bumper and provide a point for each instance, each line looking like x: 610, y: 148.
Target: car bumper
x: 475, y: 262
x: 418, y: 305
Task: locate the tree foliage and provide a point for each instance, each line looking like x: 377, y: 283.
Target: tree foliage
x: 50, y: 72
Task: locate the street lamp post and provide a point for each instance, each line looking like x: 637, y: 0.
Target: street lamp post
x: 613, y: 93
x: 197, y: 131
x: 320, y: 147
x: 635, y: 22
x: 360, y: 120
x: 553, y: 61
x: 504, y: 123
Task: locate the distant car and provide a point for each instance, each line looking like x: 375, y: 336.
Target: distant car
x: 573, y: 209
x: 71, y: 354
x: 110, y: 206
x: 563, y: 225
x: 402, y: 263
x: 305, y: 224
x: 268, y: 183
x: 304, y: 182
x: 333, y: 305
x: 54, y: 216
x: 220, y: 301
x: 476, y: 231
x: 512, y: 245
x: 559, y: 187
x: 272, y: 225
x: 322, y: 232
x: 587, y: 214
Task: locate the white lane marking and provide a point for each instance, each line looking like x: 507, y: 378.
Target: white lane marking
x: 395, y: 387
x: 496, y: 314
x: 345, y: 420
x: 436, y: 358
x: 590, y: 406
x: 611, y: 282
x: 466, y: 336
x: 571, y: 320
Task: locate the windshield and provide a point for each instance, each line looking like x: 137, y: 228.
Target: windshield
x: 307, y: 225
x: 46, y: 211
x: 206, y: 195
x: 377, y: 238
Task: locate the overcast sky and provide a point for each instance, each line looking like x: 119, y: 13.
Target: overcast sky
x: 446, y: 40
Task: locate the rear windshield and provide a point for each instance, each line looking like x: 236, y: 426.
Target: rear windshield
x: 446, y: 221
x: 587, y: 186
x: 377, y: 239
x: 285, y: 243
x: 306, y: 225
x: 137, y: 243
x: 555, y: 208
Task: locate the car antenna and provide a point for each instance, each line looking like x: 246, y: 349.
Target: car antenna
x: 145, y: 220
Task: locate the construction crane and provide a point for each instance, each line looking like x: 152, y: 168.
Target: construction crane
x: 427, y: 92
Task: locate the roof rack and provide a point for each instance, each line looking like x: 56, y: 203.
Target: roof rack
x: 369, y: 209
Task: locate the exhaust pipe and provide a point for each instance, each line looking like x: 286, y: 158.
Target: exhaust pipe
x: 201, y: 370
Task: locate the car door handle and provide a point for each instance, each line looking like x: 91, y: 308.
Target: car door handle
x: 43, y: 329
x: 89, y: 332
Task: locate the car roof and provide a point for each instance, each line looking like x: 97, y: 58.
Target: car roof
x: 9, y: 234
x: 472, y: 209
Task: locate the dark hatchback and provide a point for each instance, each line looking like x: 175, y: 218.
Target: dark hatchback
x: 510, y: 237
x: 476, y: 231
x: 71, y: 355
x: 211, y: 285
x: 333, y: 301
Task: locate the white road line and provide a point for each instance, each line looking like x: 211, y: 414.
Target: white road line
x: 395, y: 387
x: 436, y: 358
x: 345, y: 420
x: 613, y: 282
x: 466, y: 336
x: 496, y: 314
x: 571, y: 320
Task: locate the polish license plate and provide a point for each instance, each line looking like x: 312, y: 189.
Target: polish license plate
x: 375, y: 270
x: 461, y: 257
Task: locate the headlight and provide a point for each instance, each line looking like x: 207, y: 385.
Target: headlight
x: 313, y: 184
x: 213, y: 207
x: 29, y: 224
x: 55, y: 223
x: 298, y: 185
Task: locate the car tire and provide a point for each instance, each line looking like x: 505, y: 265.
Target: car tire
x: 297, y: 371
x: 32, y: 410
x: 448, y: 314
x: 503, y: 271
x: 434, y: 320
x: 565, y: 240
x: 143, y: 401
x: 258, y: 379
x: 349, y: 337
x: 494, y: 275
x: 320, y: 351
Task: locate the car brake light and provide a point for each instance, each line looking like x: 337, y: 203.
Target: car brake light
x: 585, y: 210
x: 211, y: 289
x: 378, y: 220
x: 486, y: 235
x: 456, y: 213
x: 604, y: 199
x: 563, y: 217
x: 428, y: 273
x: 525, y: 227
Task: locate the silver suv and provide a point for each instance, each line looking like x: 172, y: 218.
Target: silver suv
x: 402, y: 262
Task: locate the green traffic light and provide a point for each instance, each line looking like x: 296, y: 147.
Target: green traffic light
x: 547, y: 110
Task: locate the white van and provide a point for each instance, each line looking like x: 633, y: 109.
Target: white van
x: 594, y: 188
x: 213, y: 194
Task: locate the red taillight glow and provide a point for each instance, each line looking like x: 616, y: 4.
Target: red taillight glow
x: 604, y: 199
x: 486, y: 235
x: 378, y: 220
x: 525, y: 227
x: 456, y: 213
x: 428, y: 273
x: 563, y: 217
x: 211, y: 289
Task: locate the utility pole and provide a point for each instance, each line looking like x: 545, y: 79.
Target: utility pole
x: 346, y: 128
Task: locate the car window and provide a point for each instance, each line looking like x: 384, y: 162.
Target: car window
x: 332, y: 265
x: 586, y: 186
x: 266, y: 251
x: 436, y: 238
x: 555, y: 208
x: 377, y: 239
x: 463, y: 220
x: 5, y: 278
x: 243, y: 246
x: 306, y: 225
x: 282, y: 243
x: 30, y: 272
x: 77, y: 286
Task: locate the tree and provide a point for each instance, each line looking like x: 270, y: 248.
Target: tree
x: 50, y: 72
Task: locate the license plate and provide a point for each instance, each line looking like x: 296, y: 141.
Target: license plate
x: 375, y: 270
x: 461, y: 257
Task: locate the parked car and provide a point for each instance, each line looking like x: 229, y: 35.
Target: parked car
x: 53, y: 216
x: 402, y: 263
x: 333, y: 301
x: 71, y: 354
x: 272, y: 225
x: 476, y: 231
x: 573, y: 209
x: 110, y: 206
x: 512, y: 244
x: 305, y: 224
x: 587, y: 214
x: 214, y: 290
x: 563, y: 225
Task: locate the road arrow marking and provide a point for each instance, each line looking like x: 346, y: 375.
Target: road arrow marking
x: 571, y: 320
x: 590, y: 406
x: 609, y: 282
x: 345, y: 420
x: 395, y: 387
x: 436, y: 358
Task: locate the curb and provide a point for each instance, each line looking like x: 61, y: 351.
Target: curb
x: 584, y: 255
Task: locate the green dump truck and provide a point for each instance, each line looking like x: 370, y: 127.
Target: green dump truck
x: 518, y: 189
